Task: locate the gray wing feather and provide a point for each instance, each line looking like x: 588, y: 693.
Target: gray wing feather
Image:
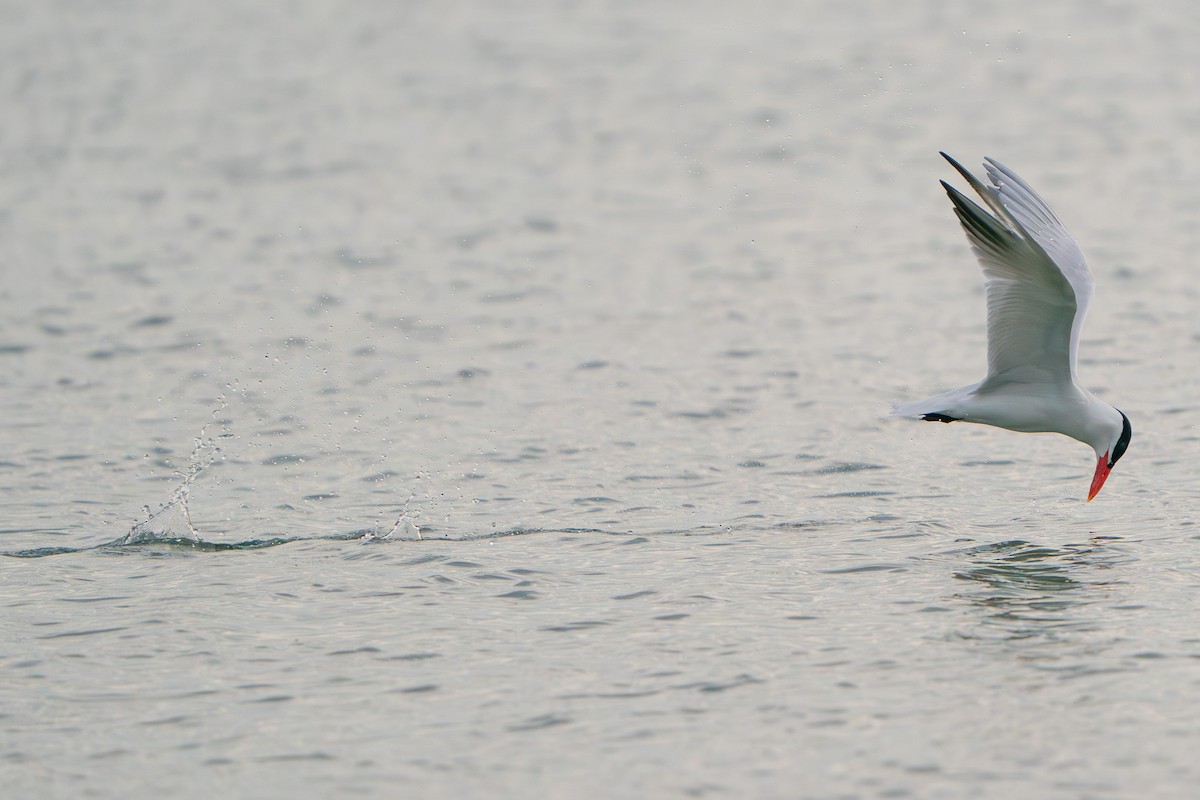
x: 1037, y: 281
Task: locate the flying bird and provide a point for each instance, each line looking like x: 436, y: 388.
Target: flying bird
x: 1038, y: 289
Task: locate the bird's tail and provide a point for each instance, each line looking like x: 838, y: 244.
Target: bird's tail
x: 939, y: 408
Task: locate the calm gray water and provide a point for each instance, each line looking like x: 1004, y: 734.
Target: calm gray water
x: 486, y: 400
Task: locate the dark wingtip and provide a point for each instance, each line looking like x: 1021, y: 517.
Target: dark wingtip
x: 959, y: 199
x: 961, y: 170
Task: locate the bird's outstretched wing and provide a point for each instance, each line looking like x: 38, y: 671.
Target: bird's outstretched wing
x: 1038, y: 283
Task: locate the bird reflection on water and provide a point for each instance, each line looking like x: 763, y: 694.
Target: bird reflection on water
x: 1028, y: 591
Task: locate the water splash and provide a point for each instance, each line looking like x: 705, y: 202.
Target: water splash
x: 405, y: 527
x: 173, y: 522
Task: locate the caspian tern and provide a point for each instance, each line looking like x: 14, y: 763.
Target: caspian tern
x: 1038, y: 289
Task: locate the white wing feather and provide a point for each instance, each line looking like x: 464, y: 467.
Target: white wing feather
x: 1038, y: 283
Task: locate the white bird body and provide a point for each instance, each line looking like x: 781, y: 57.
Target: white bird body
x: 1038, y: 290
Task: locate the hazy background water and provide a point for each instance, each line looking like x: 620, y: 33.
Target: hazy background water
x: 606, y: 301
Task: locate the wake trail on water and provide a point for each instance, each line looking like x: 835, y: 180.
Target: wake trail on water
x: 172, y: 523
x: 170, y: 528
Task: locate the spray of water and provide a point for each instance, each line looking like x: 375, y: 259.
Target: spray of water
x: 405, y: 526
x: 173, y: 522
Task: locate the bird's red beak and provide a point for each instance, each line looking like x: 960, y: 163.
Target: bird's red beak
x: 1102, y: 470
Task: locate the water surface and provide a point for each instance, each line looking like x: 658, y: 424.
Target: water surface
x: 486, y: 399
